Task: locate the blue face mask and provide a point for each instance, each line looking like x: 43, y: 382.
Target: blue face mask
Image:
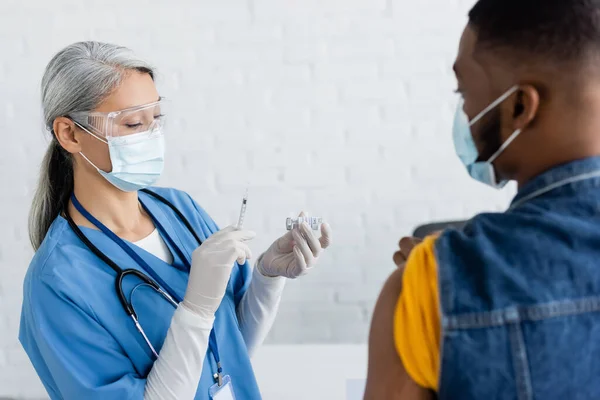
x: 482, y: 171
x: 137, y: 160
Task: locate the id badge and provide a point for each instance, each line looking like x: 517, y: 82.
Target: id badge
x: 223, y: 392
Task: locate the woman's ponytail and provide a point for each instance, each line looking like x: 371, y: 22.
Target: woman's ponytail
x: 54, y: 187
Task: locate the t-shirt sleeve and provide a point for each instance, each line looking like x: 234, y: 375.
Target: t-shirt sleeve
x: 417, y: 327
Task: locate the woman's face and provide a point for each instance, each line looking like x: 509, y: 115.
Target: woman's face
x: 136, y: 89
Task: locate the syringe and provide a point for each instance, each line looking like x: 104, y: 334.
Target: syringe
x: 240, y: 224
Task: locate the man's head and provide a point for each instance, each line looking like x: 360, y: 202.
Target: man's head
x: 550, y: 49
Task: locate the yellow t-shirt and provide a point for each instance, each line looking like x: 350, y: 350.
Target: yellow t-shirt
x: 417, y: 318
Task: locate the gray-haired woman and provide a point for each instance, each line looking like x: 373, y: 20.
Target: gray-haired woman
x: 134, y: 292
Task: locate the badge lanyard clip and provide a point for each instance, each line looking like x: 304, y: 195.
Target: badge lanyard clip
x: 219, y: 375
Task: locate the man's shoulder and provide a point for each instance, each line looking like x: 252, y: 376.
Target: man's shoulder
x: 486, y: 231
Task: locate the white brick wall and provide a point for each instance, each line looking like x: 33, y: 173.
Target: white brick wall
x: 339, y: 107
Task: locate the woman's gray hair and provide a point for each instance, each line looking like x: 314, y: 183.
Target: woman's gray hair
x: 78, y: 78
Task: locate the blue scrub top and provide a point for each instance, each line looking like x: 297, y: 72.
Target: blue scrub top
x: 80, y: 340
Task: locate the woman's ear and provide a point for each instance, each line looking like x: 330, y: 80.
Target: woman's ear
x: 64, y: 130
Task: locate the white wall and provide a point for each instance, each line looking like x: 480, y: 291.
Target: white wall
x: 339, y: 107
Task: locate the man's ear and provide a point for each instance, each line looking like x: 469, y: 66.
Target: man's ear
x: 527, y: 102
x: 64, y: 130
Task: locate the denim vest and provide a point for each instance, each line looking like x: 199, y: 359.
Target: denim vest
x: 520, y: 294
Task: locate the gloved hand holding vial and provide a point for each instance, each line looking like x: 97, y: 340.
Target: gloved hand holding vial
x: 297, y: 251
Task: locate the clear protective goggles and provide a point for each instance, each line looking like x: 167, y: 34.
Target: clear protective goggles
x: 116, y: 124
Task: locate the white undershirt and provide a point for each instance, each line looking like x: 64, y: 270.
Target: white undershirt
x: 155, y: 245
x: 175, y: 375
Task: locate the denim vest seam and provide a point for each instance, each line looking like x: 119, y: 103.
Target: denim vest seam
x: 517, y: 314
x: 481, y: 320
x: 444, y: 281
x: 561, y: 308
x: 520, y: 362
x: 442, y: 330
x: 441, y: 364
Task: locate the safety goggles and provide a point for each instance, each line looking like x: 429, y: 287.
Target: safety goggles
x: 116, y: 124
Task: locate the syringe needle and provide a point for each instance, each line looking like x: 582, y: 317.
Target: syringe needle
x: 243, y: 210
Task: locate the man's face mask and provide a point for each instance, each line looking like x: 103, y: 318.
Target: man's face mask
x: 482, y: 171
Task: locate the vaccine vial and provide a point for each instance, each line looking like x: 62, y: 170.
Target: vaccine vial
x: 313, y: 222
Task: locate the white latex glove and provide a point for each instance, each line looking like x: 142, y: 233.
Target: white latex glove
x: 211, y: 267
x: 295, y: 253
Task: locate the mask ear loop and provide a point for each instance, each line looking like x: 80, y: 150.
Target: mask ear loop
x: 493, y: 105
x: 508, y: 141
x: 94, y: 136
x: 518, y: 111
x: 88, y: 160
x: 519, y: 108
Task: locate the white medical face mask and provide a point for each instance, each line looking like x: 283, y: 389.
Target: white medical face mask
x: 482, y: 171
x: 137, y: 160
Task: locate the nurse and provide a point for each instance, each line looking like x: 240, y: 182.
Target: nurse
x: 135, y: 293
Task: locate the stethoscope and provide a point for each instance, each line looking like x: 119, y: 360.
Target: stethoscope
x: 168, y: 294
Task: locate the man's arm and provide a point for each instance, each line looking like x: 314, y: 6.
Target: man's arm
x: 387, y: 378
